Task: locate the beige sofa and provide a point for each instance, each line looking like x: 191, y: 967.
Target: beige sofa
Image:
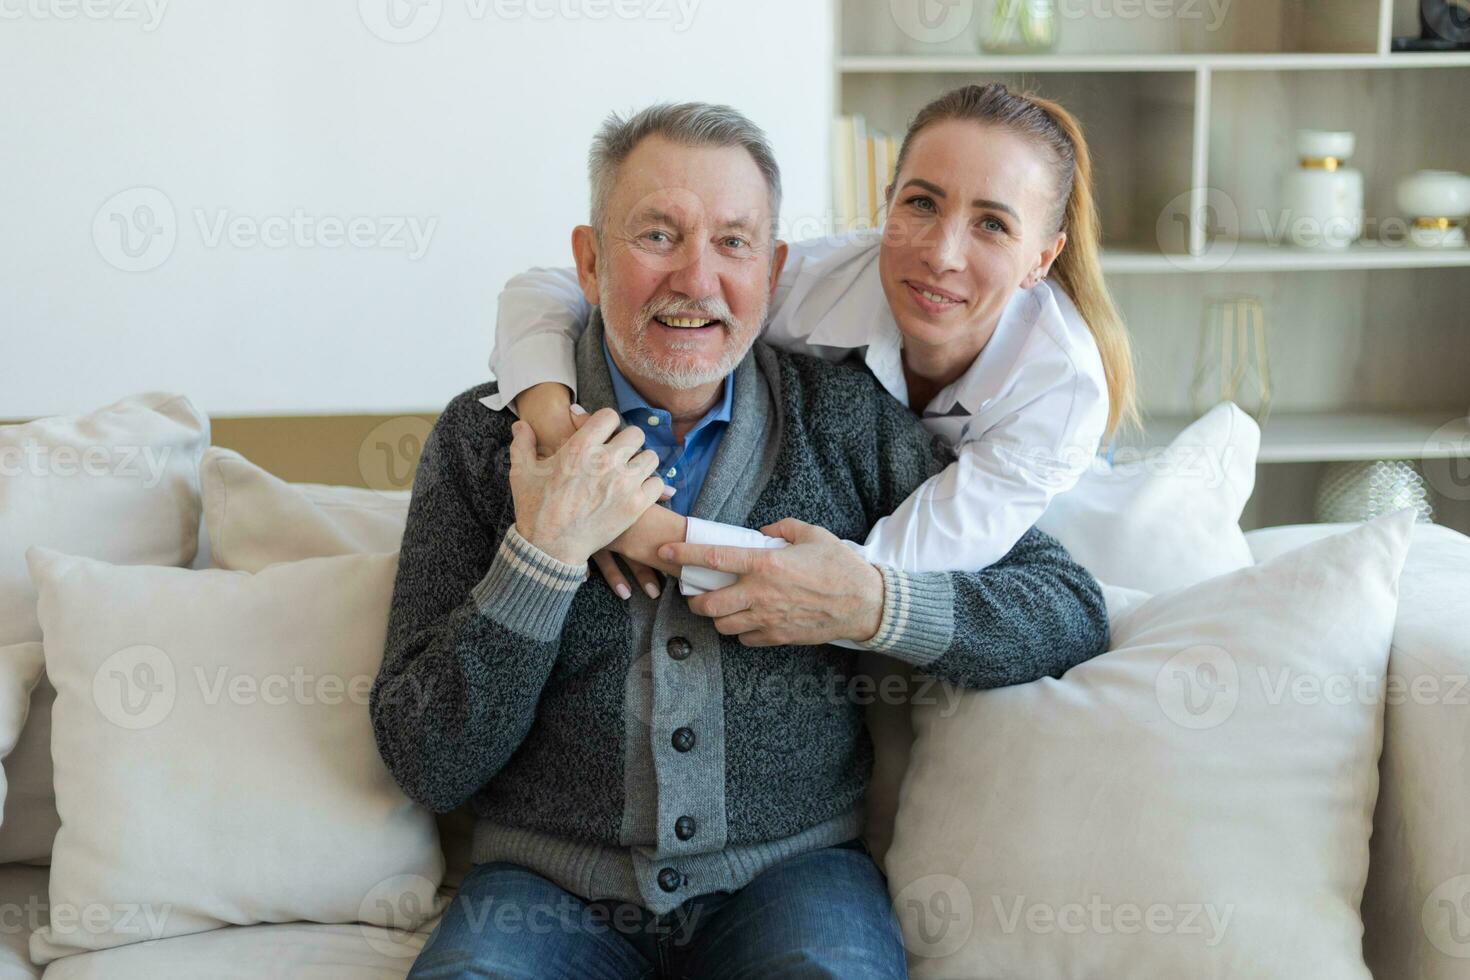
x: 1420, y: 845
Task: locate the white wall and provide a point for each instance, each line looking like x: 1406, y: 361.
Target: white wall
x: 283, y: 116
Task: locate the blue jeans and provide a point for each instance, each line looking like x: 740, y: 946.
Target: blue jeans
x: 824, y: 913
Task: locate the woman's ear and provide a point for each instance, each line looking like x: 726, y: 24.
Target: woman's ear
x: 1048, y: 256
x: 584, y: 250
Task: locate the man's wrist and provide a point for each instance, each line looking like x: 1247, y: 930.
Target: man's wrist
x: 870, y: 618
x: 551, y: 545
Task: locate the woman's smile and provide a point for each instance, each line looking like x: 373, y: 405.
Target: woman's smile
x: 932, y: 300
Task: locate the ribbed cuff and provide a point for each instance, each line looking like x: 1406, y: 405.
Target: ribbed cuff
x: 526, y: 589
x: 918, y: 616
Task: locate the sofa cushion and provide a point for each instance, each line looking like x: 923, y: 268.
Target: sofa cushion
x: 1194, y: 803
x: 255, y: 518
x: 261, y: 952
x: 120, y: 483
x: 23, y: 906
x: 215, y: 763
x: 1164, y: 519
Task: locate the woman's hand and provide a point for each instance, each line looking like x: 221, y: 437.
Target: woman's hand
x: 576, y: 501
x: 814, y: 591
x: 547, y: 407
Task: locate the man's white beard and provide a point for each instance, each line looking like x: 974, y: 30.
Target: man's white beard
x: 674, y: 371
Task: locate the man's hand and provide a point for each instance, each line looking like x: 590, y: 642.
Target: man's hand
x: 815, y: 591
x: 647, y: 578
x: 585, y: 494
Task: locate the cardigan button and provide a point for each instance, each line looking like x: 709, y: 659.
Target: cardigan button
x: 669, y: 879
x: 684, y: 827
x: 683, y: 739
x: 679, y: 648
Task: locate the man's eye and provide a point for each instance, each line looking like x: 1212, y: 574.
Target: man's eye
x: 735, y: 242
x: 657, y: 236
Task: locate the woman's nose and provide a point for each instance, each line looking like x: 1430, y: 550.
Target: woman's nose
x: 946, y: 252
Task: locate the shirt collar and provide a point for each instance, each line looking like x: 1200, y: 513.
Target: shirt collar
x: 629, y: 400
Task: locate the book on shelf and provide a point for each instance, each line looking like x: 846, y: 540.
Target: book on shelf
x: 862, y: 165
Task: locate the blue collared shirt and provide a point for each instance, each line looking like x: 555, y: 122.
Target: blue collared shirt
x: 682, y: 467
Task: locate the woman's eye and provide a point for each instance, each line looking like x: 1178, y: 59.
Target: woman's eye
x: 922, y: 203
x: 993, y: 224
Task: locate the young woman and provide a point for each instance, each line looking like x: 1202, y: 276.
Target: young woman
x: 950, y: 308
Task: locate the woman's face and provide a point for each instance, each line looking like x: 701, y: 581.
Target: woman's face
x: 968, y: 223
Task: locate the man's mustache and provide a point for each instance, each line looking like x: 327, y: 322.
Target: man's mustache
x: 664, y: 306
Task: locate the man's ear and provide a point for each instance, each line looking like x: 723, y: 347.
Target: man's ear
x: 778, y: 260
x: 584, y: 250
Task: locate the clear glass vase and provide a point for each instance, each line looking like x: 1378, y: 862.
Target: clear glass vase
x: 1018, y: 26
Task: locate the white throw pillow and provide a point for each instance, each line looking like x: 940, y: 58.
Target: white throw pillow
x: 256, y: 519
x: 1161, y: 520
x: 215, y: 761
x: 120, y: 484
x: 897, y: 689
x: 1196, y: 802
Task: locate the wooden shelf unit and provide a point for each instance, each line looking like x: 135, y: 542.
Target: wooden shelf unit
x: 1192, y: 127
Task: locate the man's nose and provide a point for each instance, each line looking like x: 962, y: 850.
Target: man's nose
x: 696, y: 276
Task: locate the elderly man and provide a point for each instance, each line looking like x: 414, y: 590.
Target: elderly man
x: 654, y: 797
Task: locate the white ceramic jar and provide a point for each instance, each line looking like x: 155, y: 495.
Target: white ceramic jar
x: 1438, y: 201
x: 1322, y: 200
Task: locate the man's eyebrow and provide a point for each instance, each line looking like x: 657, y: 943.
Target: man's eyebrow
x: 743, y: 223
x: 979, y: 202
x: 654, y: 214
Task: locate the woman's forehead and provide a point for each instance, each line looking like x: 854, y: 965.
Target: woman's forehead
x: 963, y: 156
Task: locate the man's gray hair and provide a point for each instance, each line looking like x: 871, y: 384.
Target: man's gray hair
x: 688, y: 123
